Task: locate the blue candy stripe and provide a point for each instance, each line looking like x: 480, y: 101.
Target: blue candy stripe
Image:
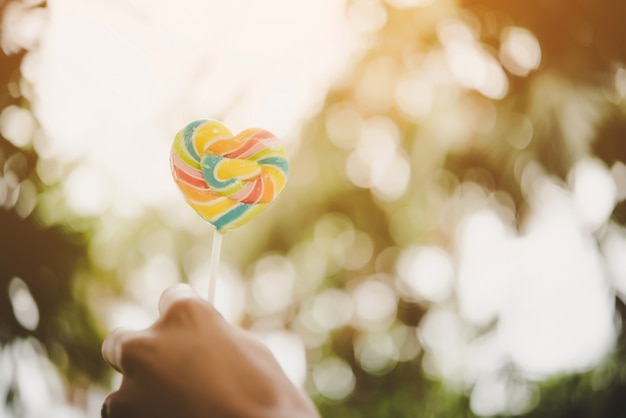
x: 279, y: 162
x: 209, y: 164
x: 232, y: 215
x: 188, y: 136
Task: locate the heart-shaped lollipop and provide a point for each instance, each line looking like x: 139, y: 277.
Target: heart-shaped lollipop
x: 228, y: 179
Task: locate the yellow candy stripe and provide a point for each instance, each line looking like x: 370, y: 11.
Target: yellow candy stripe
x: 237, y: 169
x: 214, y: 209
x: 209, y: 133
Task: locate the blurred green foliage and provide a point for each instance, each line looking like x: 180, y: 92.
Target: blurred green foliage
x: 45, y: 257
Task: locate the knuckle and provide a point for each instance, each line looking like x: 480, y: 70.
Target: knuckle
x: 116, y: 406
x: 183, y: 311
x: 134, y: 352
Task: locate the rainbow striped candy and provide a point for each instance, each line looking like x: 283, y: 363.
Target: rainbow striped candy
x: 228, y: 179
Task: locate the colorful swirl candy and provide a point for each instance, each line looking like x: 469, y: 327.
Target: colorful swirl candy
x: 228, y: 179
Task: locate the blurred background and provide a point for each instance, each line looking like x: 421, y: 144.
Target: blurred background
x: 452, y: 240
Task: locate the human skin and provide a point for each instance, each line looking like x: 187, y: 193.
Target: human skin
x: 191, y: 363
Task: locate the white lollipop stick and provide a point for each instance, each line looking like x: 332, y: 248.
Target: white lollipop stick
x: 215, y: 264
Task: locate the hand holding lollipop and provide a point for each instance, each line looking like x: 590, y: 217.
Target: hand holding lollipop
x: 191, y: 363
x: 227, y: 179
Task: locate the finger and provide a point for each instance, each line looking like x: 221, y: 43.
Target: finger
x: 142, y: 399
x: 118, y: 405
x: 112, y: 346
x: 175, y: 293
x: 104, y: 411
